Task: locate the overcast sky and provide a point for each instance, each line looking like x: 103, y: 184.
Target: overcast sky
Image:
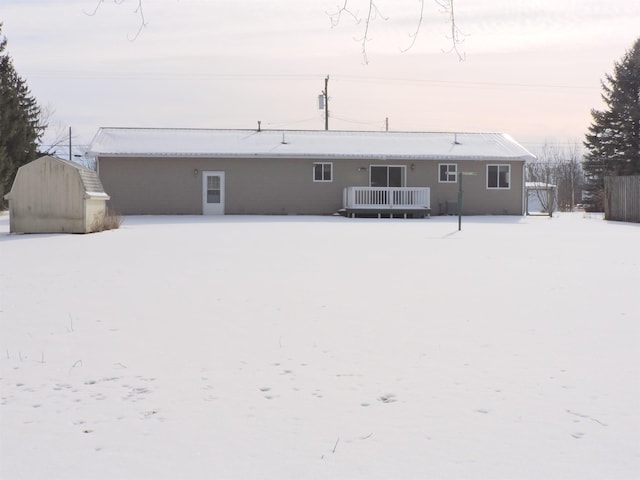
x: 532, y: 68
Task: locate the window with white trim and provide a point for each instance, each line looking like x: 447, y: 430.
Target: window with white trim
x: 323, y: 172
x: 499, y: 176
x: 448, y: 173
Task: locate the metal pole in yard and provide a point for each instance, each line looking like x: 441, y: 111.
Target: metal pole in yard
x: 460, y: 194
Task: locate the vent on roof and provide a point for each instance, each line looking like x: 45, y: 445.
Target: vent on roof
x: 455, y: 139
x: 284, y: 142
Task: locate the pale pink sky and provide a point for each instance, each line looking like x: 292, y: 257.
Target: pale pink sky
x: 532, y: 69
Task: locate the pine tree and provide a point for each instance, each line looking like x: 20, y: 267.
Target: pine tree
x: 20, y: 128
x: 613, y: 141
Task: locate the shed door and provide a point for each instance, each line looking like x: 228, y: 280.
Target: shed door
x: 213, y: 193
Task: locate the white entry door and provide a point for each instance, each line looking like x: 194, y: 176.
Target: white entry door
x: 213, y: 193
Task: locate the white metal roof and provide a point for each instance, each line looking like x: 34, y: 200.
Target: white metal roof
x: 177, y: 142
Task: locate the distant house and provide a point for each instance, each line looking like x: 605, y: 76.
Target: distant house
x: 52, y: 195
x: 202, y: 171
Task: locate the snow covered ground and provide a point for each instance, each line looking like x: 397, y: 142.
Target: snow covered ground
x: 322, y: 348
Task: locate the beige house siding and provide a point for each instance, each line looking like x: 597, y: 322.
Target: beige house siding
x: 173, y: 185
x: 478, y: 198
x: 48, y: 196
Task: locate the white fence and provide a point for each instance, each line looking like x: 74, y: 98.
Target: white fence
x: 387, y: 198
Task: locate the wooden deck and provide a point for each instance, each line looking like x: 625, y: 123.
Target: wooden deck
x: 392, y: 202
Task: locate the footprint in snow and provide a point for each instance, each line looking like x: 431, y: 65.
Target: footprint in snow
x: 387, y: 398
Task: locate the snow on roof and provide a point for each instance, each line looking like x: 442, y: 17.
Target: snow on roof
x: 178, y: 142
x: 90, y: 181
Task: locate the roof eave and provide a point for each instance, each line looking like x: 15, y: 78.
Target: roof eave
x: 319, y: 156
x: 96, y: 196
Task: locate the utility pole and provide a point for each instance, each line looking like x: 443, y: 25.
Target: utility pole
x: 325, y: 94
x: 70, y: 156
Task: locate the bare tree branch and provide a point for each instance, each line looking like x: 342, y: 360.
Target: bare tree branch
x: 372, y: 13
x: 143, y: 23
x: 447, y: 6
x: 414, y: 36
x: 59, y: 136
x: 95, y: 10
x: 365, y: 37
x: 138, y: 10
x: 562, y: 169
x: 337, y: 16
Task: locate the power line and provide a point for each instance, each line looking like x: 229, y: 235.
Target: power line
x: 462, y: 83
x: 291, y: 122
x: 128, y: 75
x: 380, y: 123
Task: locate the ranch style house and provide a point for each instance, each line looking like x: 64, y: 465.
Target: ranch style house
x: 171, y: 171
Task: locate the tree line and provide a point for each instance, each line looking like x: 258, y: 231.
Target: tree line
x: 613, y: 138
x: 562, y: 168
x: 20, y: 123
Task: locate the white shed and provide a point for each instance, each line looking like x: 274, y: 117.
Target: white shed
x: 52, y: 195
x: 541, y: 198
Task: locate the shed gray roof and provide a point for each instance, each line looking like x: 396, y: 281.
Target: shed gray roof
x: 178, y: 142
x: 89, y: 178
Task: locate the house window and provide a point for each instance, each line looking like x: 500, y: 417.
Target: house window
x: 498, y: 176
x: 213, y: 189
x: 448, y: 173
x: 322, y: 172
x: 387, y: 176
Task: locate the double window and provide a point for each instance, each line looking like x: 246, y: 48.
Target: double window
x: 323, y: 172
x: 498, y: 176
x: 387, y: 175
x: 448, y: 173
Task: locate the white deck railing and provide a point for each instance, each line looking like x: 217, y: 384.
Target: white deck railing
x: 387, y: 197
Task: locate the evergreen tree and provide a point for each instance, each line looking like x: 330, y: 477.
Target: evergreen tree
x: 20, y: 128
x: 613, y: 141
